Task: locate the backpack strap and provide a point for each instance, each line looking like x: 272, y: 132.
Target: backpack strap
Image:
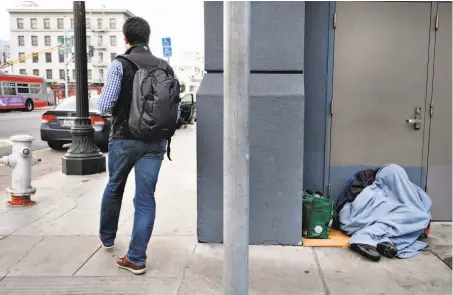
x: 129, y: 59
x: 168, y: 148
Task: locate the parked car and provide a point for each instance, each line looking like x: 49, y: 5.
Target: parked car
x: 188, y: 109
x: 56, y: 124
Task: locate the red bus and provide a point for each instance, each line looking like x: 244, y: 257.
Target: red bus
x: 23, y: 92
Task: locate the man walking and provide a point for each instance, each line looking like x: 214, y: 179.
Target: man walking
x: 129, y: 147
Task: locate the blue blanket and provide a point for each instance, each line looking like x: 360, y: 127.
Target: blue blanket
x: 391, y: 209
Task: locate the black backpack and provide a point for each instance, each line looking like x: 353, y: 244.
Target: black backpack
x: 155, y: 101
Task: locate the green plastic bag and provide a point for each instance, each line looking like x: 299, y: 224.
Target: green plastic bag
x: 317, y: 216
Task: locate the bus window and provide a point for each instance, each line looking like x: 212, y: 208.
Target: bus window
x: 22, y: 88
x: 35, y: 88
x: 9, y: 88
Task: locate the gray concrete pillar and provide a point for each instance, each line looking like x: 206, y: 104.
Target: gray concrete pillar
x: 276, y: 124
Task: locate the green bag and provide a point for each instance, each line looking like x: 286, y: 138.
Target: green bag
x: 317, y: 216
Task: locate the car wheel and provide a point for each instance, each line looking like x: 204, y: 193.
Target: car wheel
x: 55, y: 145
x: 29, y: 106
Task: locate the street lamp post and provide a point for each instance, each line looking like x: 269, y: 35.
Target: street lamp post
x: 236, y: 34
x: 83, y: 157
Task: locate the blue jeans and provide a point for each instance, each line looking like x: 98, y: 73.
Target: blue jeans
x: 147, y: 158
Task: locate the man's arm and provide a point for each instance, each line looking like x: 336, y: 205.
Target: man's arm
x: 112, y: 87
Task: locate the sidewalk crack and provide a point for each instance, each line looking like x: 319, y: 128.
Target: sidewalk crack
x: 321, y: 273
x: 187, y: 267
x: 25, y: 255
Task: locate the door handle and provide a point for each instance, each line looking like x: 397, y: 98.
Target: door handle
x: 416, y: 121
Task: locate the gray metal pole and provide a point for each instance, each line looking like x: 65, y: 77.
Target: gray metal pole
x: 66, y: 90
x: 236, y: 34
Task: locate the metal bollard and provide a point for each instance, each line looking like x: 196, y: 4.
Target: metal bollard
x: 21, y: 161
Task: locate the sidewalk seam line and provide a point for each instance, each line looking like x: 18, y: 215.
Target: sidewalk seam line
x: 438, y: 256
x: 185, y: 269
x: 86, y: 261
x: 321, y: 273
x: 25, y: 255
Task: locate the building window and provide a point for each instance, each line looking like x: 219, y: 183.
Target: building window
x: 60, y: 57
x: 88, y: 40
x: 34, y: 40
x: 101, y: 74
x: 88, y: 23
x: 21, y: 40
x: 22, y: 72
x: 47, y: 23
x: 48, y: 57
x: 61, y: 74
x: 49, y: 74
x: 113, y: 23
x: 35, y: 72
x: 33, y: 23
x: 100, y: 40
x: 112, y: 56
x: 47, y: 41
x: 35, y: 58
x: 73, y: 74
x: 20, y: 23
x: 99, y: 23
x: 72, y: 24
x: 21, y: 56
x: 60, y: 40
x: 60, y: 23
x: 101, y: 57
x: 112, y: 40
x: 89, y: 75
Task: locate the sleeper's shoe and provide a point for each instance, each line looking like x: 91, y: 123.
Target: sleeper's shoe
x: 368, y: 251
x: 387, y: 249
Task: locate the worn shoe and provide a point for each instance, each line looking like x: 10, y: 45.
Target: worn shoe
x: 387, y: 249
x: 124, y: 263
x: 106, y: 246
x: 367, y: 251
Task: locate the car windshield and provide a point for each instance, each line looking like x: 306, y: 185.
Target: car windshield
x: 69, y: 104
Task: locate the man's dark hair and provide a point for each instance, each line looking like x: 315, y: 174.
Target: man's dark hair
x: 136, y: 30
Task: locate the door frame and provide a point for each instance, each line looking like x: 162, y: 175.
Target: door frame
x: 329, y: 96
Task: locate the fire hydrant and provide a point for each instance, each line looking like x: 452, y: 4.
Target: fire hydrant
x: 21, y: 161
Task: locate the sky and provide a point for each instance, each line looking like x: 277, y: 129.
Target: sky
x: 182, y: 20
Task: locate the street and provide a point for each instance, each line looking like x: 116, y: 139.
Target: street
x: 17, y: 122
x: 14, y: 123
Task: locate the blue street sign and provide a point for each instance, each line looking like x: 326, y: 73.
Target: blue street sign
x: 166, y: 42
x: 166, y: 47
x: 167, y: 52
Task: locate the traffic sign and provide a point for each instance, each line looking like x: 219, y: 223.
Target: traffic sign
x: 166, y: 47
x: 167, y: 52
x: 166, y: 42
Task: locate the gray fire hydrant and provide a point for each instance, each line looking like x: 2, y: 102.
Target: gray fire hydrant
x: 21, y: 161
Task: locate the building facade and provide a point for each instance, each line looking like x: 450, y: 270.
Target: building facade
x: 4, y: 51
x: 335, y: 88
x: 38, y: 30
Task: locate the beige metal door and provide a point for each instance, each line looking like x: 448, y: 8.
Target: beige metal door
x: 440, y: 147
x: 380, y: 75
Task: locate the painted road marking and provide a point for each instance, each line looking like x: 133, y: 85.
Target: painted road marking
x: 4, y: 142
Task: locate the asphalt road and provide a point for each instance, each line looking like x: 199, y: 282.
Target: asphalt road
x: 17, y: 122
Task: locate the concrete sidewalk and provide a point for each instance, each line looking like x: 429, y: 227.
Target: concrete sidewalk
x: 53, y: 247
